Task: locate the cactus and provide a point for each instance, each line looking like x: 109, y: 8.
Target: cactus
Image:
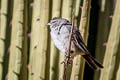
x: 67, y: 8
x: 54, y: 53
x: 79, y: 62
x: 18, y: 39
x: 42, y: 54
x: 3, y: 27
x: 33, y: 56
x: 112, y: 54
x: 104, y: 20
x: 34, y: 38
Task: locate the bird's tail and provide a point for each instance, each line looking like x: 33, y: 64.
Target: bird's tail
x: 92, y: 62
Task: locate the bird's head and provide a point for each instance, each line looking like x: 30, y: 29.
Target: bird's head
x: 57, y: 22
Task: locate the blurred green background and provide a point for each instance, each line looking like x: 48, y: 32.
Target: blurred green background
x: 26, y: 49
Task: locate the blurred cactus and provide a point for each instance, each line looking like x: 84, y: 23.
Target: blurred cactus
x: 42, y: 54
x: 104, y: 24
x: 112, y: 54
x: 18, y: 53
x: 3, y: 27
x: 67, y: 9
x: 27, y: 52
x: 34, y: 37
x: 54, y: 53
x: 79, y: 62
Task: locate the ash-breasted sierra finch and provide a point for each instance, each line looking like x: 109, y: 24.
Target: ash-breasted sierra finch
x: 60, y: 32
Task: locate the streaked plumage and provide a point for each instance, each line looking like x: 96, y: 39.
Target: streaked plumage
x: 60, y: 31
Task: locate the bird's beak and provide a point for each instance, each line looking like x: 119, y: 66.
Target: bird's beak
x: 48, y: 24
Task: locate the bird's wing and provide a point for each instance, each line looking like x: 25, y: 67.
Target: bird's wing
x: 78, y: 41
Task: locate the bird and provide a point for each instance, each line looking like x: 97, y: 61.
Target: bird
x: 60, y: 29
